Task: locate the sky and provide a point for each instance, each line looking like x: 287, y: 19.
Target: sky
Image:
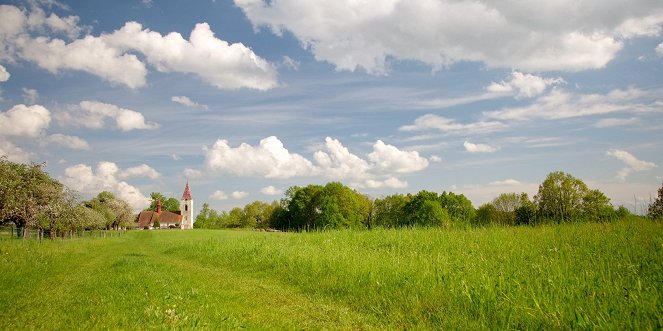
x: 246, y: 98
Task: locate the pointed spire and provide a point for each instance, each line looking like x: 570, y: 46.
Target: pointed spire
x: 187, y: 192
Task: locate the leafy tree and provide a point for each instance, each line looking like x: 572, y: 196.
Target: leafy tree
x: 389, y: 211
x: 203, y: 220
x: 116, y: 212
x: 303, y: 206
x: 506, y: 205
x: 622, y: 212
x: 655, y: 209
x: 459, y: 207
x: 596, y: 206
x: 560, y: 197
x: 169, y: 204
x: 486, y: 214
x: 256, y: 215
x: 526, y: 214
x: 424, y: 209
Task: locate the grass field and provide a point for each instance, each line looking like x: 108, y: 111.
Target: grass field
x: 575, y: 276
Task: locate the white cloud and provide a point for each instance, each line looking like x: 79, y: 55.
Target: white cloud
x: 435, y: 159
x: 269, y: 159
x: 218, y: 195
x: 388, y: 158
x: 112, y: 56
x: 524, y: 85
x: 142, y: 170
x: 391, y: 182
x: 446, y: 125
x: 478, y: 148
x: 239, y: 194
x: 506, y: 182
x: 13, y: 152
x: 4, y: 74
x: 612, y: 122
x: 659, y: 49
x: 30, y: 96
x: 226, y: 66
x: 89, y: 54
x: 105, y: 177
x: 530, y: 36
x: 185, y: 101
x: 24, y: 121
x: 270, y: 190
x: 91, y: 114
x: 632, y: 163
x: 559, y: 104
x: 72, y: 142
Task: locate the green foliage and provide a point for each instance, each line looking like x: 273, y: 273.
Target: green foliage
x: 560, y: 197
x: 485, y: 215
x: 169, y: 204
x: 655, y: 209
x: 389, y: 211
x: 459, y: 207
x: 117, y: 213
x: 596, y: 207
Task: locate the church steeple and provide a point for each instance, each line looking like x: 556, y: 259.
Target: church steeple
x: 187, y: 192
x: 186, y: 208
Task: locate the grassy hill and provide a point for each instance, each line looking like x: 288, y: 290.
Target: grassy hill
x: 551, y: 277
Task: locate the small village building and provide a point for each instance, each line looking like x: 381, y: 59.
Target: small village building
x: 166, y: 219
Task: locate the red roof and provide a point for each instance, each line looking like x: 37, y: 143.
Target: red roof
x: 187, y: 192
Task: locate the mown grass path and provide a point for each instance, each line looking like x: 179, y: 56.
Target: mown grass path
x: 573, y: 276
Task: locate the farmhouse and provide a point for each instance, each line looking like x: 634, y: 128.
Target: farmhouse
x: 166, y: 219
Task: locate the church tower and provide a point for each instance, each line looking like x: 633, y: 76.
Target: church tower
x: 186, y: 208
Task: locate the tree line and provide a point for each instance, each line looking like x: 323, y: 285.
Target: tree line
x: 561, y: 198
x: 33, y: 201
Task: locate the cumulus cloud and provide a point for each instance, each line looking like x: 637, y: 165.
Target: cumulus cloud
x: 270, y: 159
x: 185, y: 101
x: 659, y: 49
x: 142, y: 170
x: 239, y: 194
x: 92, y: 114
x: 478, y: 148
x: 559, y: 104
x: 631, y: 163
x: 446, y: 125
x: 391, y: 159
x: 24, y: 121
x: 218, y: 195
x: 225, y: 66
x: 89, y: 54
x: 270, y: 190
x: 72, y: 142
x: 4, y: 74
x: 524, y: 85
x: 104, y: 178
x: 529, y: 36
x: 13, y: 152
x: 29, y: 35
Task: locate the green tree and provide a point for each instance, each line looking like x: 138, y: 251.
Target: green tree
x: 655, y: 210
x: 203, y: 220
x: 116, y: 212
x: 596, y: 207
x: 389, y: 211
x: 506, y: 205
x: 169, y: 204
x: 560, y: 197
x: 425, y: 209
x: 485, y: 215
x: 459, y: 207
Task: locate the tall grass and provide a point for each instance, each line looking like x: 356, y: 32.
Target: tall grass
x: 607, y: 276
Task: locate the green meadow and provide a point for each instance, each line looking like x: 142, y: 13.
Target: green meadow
x: 570, y: 276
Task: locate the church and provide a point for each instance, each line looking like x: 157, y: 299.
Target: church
x: 169, y: 220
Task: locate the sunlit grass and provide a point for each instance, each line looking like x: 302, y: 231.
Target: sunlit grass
x: 569, y: 276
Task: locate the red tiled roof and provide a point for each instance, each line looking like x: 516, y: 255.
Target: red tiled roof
x: 187, y: 192
x: 147, y: 218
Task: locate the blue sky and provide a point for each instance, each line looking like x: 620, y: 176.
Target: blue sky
x: 246, y: 98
